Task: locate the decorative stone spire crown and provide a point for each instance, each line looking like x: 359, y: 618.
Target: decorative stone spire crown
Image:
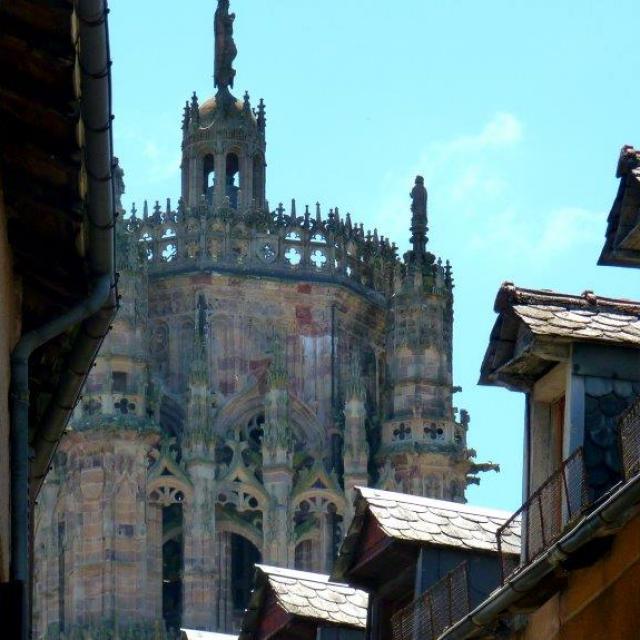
x: 225, y: 50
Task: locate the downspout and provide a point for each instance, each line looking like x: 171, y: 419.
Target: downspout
x: 95, y: 312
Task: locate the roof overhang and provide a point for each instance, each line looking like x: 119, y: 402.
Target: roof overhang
x: 622, y: 238
x: 276, y: 610
x: 537, y: 329
x: 389, y: 530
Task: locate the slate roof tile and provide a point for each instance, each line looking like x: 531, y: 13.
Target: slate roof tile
x: 314, y: 596
x: 565, y: 316
x: 439, y: 522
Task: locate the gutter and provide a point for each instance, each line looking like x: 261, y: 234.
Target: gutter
x: 95, y: 312
x: 606, y: 516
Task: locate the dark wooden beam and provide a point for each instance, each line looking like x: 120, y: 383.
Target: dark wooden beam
x: 52, y: 17
x: 30, y: 60
x: 48, y: 123
x: 39, y: 165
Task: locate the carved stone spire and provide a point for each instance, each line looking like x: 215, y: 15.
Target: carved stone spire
x: 262, y: 116
x: 225, y: 50
x: 419, y: 219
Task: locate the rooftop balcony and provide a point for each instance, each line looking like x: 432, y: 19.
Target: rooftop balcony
x: 561, y: 501
x: 427, y: 617
x: 629, y: 435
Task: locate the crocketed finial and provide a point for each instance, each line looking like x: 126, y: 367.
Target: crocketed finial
x: 262, y: 116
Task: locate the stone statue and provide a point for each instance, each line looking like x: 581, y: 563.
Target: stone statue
x: 418, y: 221
x: 419, y: 197
x: 226, y: 50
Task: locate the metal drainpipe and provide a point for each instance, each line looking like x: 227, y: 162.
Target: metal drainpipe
x: 20, y: 509
x: 94, y: 65
x: 95, y: 312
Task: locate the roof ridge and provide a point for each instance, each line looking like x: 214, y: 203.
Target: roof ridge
x: 294, y: 573
x: 458, y: 507
x: 510, y: 295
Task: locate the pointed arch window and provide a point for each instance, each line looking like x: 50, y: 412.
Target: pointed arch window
x: 232, y: 183
x: 244, y: 557
x: 172, y: 565
x: 258, y: 178
x: 208, y: 177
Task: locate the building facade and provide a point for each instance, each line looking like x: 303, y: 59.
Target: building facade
x: 263, y: 364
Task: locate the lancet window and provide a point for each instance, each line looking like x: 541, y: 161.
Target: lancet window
x: 208, y: 177
x: 232, y: 183
x: 172, y: 563
x: 244, y: 556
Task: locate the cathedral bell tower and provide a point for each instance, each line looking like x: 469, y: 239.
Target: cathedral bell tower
x: 223, y: 139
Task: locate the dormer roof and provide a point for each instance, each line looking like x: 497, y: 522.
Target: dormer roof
x: 622, y: 244
x: 417, y: 521
x: 287, y: 597
x: 535, y: 329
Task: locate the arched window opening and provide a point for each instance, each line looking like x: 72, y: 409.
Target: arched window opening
x: 304, y: 556
x: 208, y: 177
x: 244, y: 556
x: 232, y: 179
x: 258, y: 178
x: 171, y: 416
x: 172, y: 563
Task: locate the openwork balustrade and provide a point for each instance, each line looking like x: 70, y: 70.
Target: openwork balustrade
x: 550, y: 510
x: 630, y: 441
x: 435, y: 610
x: 275, y: 242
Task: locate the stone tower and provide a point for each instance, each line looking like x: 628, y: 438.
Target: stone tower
x: 423, y: 447
x: 264, y: 363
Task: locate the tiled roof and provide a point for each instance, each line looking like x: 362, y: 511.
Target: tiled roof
x: 533, y: 323
x: 313, y: 595
x: 585, y: 317
x: 438, y: 522
x: 622, y: 237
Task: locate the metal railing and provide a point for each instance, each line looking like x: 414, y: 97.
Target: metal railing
x: 547, y: 513
x: 629, y: 435
x: 427, y: 617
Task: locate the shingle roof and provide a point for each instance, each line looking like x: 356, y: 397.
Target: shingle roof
x: 438, y: 522
x: 531, y: 318
x: 313, y: 595
x: 584, y: 317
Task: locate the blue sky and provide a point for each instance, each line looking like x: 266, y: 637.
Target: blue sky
x: 513, y: 111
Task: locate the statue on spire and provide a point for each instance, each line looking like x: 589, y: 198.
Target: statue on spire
x: 225, y: 47
x: 419, y: 219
